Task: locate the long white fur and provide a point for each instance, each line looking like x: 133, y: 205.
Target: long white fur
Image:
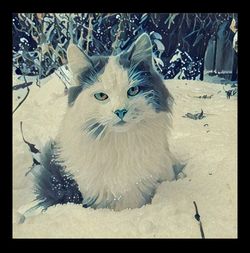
x: 125, y: 163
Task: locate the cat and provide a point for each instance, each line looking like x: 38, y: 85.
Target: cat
x: 112, y: 148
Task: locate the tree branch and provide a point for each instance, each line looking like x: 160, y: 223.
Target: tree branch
x: 33, y: 150
x: 28, y: 91
x: 21, y: 86
x: 197, y: 217
x: 89, y: 35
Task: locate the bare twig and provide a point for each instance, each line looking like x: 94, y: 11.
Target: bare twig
x: 89, y: 35
x: 119, y: 31
x: 28, y: 91
x: 21, y: 86
x: 33, y: 150
x: 31, y: 146
x: 62, y: 80
x: 199, y: 115
x: 197, y: 217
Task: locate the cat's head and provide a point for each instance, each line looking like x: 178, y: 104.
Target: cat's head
x: 116, y: 92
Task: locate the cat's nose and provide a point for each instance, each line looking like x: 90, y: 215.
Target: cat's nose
x: 121, y: 113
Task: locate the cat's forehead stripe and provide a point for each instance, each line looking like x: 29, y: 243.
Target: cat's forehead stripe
x: 114, y: 74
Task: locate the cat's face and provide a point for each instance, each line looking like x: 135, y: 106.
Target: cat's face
x: 116, y: 93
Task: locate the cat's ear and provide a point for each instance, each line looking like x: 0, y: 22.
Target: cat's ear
x: 77, y: 59
x: 142, y: 49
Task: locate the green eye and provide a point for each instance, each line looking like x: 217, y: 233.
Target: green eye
x: 101, y: 96
x: 133, y: 91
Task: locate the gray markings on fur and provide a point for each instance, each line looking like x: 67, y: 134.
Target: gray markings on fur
x: 88, y: 76
x: 152, y: 85
x: 161, y: 99
x: 96, y: 67
x: 53, y: 185
x: 73, y: 94
x: 89, y: 201
x: 148, y: 196
x: 142, y: 73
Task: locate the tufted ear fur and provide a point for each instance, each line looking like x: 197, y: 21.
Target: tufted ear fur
x: 77, y: 60
x: 141, y: 50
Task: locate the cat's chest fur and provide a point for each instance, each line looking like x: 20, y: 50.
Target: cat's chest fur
x: 121, y: 170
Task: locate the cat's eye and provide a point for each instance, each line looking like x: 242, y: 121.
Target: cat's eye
x: 101, y: 96
x: 133, y: 91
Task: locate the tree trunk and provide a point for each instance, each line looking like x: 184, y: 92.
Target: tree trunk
x: 203, y: 51
x: 202, y: 56
x: 215, y: 52
x: 202, y: 70
x: 234, y: 71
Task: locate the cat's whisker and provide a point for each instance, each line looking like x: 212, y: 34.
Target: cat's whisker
x: 96, y: 128
x: 105, y: 121
x: 88, y: 124
x: 98, y: 133
x: 102, y: 133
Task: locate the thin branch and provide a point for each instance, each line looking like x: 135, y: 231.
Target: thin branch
x: 62, y: 79
x: 197, y: 217
x: 33, y: 150
x: 64, y: 75
x: 119, y: 31
x: 89, y: 35
x: 28, y: 91
x: 32, y: 147
x: 19, y: 30
x: 21, y: 86
x: 21, y: 129
x: 109, y: 15
x: 152, y: 19
x: 38, y: 81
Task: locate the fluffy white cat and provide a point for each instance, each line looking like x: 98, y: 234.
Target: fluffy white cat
x: 112, y: 148
x: 113, y: 138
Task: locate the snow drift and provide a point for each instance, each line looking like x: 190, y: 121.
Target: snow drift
x: 208, y: 146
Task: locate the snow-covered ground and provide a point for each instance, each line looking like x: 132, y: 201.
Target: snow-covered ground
x: 209, y: 146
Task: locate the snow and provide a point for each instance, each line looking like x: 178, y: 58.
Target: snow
x: 235, y: 41
x: 159, y: 45
x: 156, y: 35
x: 211, y: 181
x: 176, y: 56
